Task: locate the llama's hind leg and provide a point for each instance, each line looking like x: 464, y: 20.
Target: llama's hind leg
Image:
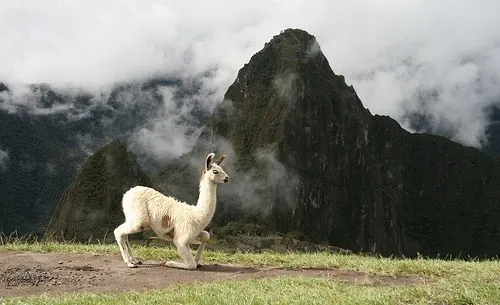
x: 120, y: 240
x: 185, y: 253
x: 168, y: 238
x: 204, y: 236
x: 121, y: 236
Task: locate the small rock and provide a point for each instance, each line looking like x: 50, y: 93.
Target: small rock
x: 60, y: 262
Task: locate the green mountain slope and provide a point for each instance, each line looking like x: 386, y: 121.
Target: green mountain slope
x: 91, y: 206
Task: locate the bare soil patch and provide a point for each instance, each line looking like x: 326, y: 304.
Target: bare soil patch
x: 32, y: 273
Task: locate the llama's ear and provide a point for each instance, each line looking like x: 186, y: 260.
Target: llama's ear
x: 208, y: 161
x: 221, y: 158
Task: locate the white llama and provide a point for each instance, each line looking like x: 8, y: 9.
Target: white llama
x: 172, y: 220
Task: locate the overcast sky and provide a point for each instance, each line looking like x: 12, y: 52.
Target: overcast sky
x: 438, y: 57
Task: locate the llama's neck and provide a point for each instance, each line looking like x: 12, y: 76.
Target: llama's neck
x: 206, y: 200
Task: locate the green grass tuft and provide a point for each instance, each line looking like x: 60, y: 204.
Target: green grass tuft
x: 286, y: 290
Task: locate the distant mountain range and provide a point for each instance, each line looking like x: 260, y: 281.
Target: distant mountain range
x: 46, y: 134
x: 303, y: 153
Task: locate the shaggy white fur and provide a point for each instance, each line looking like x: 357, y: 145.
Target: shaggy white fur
x: 172, y: 220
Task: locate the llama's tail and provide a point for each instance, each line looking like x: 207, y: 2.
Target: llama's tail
x: 131, y: 202
x: 136, y: 203
x: 128, y: 198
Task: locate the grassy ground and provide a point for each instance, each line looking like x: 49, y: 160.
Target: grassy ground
x: 445, y: 281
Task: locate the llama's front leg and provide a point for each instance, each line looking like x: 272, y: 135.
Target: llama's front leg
x: 187, y: 257
x: 204, y: 236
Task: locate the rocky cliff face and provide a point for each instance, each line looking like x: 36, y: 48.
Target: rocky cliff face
x: 305, y: 155
x: 493, y: 132
x: 91, y: 206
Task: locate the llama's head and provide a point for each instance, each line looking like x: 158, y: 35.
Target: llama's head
x: 213, y: 171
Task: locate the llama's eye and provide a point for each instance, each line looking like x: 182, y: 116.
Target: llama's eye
x: 215, y: 171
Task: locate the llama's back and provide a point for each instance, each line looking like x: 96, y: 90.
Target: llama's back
x: 135, y: 202
x: 144, y: 203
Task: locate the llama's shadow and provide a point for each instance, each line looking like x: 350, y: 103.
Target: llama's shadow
x: 227, y: 268
x: 223, y: 268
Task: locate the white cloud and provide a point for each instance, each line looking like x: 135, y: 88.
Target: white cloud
x: 255, y: 188
x: 168, y: 135
x: 30, y: 99
x: 392, y: 51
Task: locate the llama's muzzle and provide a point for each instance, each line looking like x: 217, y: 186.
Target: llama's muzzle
x: 226, y: 179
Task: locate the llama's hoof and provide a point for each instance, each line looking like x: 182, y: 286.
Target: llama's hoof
x: 137, y: 263
x: 131, y: 265
x: 172, y: 264
x: 179, y: 265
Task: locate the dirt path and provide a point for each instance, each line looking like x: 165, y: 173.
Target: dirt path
x: 31, y: 273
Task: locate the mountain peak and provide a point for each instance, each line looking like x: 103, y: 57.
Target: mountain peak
x: 295, y: 43
x: 3, y: 87
x: 282, y: 88
x: 284, y: 53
